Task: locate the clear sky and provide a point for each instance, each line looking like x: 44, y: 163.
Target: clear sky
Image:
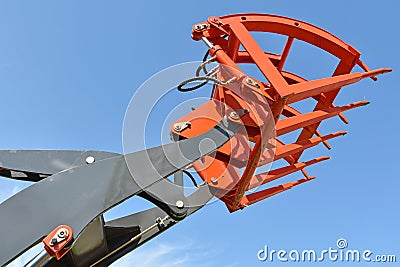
x: 68, y: 70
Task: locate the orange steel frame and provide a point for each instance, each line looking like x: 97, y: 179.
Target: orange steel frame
x: 225, y: 36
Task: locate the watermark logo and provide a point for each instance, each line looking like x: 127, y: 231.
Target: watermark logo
x: 341, y: 243
x: 340, y: 253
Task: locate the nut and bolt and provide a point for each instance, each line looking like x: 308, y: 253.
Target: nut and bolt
x: 90, y: 160
x: 217, y: 21
x: 234, y: 115
x: 214, y: 180
x: 61, y: 235
x: 180, y: 204
x: 251, y: 82
x: 180, y: 126
x: 177, y: 127
x: 200, y: 27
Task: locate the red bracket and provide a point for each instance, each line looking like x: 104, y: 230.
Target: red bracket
x: 58, y: 242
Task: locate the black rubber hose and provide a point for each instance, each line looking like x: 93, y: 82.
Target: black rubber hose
x: 191, y: 177
x: 201, y: 67
x: 206, y: 79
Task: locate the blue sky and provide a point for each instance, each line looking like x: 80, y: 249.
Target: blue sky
x: 69, y: 68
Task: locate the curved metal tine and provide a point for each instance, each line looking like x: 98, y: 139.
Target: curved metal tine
x: 35, y: 165
x: 77, y: 196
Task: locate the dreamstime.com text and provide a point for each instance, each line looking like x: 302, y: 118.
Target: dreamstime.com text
x: 338, y: 254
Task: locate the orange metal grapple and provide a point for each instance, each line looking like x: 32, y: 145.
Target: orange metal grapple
x: 231, y: 44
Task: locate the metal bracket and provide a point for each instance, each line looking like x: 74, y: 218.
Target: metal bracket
x: 58, y: 242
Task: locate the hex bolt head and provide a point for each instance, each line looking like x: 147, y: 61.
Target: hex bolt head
x: 252, y: 83
x: 177, y: 127
x: 90, y: 160
x: 214, y: 180
x: 200, y: 27
x: 234, y: 115
x: 53, y: 241
x: 180, y: 204
x: 62, y: 233
x: 180, y: 126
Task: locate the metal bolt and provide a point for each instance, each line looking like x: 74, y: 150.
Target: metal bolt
x: 180, y: 204
x: 61, y: 234
x: 252, y: 83
x: 214, y: 180
x: 90, y: 160
x: 216, y: 20
x: 177, y: 127
x: 53, y: 241
x: 234, y: 115
x: 160, y: 222
x: 180, y: 126
x: 200, y: 27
